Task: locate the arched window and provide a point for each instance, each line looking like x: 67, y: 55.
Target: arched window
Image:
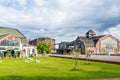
x: 9, y: 42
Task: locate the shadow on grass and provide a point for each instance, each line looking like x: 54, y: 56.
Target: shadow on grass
x: 13, y: 77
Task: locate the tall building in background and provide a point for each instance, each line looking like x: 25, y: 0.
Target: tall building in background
x: 37, y: 41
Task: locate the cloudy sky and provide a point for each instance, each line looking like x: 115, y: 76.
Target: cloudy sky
x: 62, y: 20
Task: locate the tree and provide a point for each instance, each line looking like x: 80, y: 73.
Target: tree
x: 43, y: 48
x: 88, y: 55
x: 76, y: 56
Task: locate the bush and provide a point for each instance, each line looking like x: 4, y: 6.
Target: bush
x: 2, y: 55
x: 65, y: 53
x: 7, y: 55
x: 43, y: 47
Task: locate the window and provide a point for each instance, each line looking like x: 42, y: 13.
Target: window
x: 9, y: 42
x: 2, y: 48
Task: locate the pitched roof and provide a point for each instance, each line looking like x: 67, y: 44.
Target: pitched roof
x: 2, y: 36
x: 45, y: 38
x: 96, y: 38
x: 90, y: 32
x: 11, y: 31
x: 87, y: 42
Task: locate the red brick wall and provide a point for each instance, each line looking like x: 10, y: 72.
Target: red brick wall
x: 119, y: 45
x: 97, y: 47
x: 51, y: 42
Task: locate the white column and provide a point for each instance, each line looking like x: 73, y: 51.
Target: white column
x: 26, y: 53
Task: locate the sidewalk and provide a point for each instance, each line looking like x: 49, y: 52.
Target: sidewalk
x: 108, y: 79
x: 98, y: 58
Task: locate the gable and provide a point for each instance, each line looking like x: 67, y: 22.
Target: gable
x: 9, y: 40
x: 109, y: 35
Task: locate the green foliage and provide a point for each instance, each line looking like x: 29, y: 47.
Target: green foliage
x: 67, y: 53
x: 6, y: 55
x: 43, y: 48
x: 76, y: 55
x: 15, y: 55
x: 10, y: 55
x: 88, y: 55
x: 64, y: 53
x: 2, y: 55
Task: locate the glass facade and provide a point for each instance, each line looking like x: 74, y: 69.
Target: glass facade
x: 109, y: 43
x: 9, y: 42
x: 109, y: 46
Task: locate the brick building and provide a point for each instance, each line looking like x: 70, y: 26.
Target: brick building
x: 103, y: 44
x: 37, y: 41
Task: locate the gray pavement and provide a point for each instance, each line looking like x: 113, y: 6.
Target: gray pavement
x: 108, y: 79
x: 99, y: 58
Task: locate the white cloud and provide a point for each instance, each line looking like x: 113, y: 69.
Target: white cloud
x: 115, y: 30
x: 60, y: 19
x: 114, y: 11
x: 39, y: 2
x: 21, y: 2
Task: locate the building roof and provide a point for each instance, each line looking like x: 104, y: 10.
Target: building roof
x: 14, y: 32
x: 44, y: 38
x: 90, y: 32
x: 2, y: 36
x: 96, y: 38
x: 87, y: 42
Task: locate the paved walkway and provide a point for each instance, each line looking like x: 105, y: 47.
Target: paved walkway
x: 108, y: 79
x: 99, y: 58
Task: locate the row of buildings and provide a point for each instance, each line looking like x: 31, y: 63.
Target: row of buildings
x: 12, y: 39
x: 102, y: 44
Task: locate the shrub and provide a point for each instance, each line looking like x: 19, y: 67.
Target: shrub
x: 2, y: 55
x: 43, y: 48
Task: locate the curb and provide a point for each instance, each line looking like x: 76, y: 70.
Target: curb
x: 113, y: 62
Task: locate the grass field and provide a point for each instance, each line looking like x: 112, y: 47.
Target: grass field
x: 50, y: 68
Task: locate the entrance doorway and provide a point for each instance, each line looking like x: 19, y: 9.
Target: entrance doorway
x: 109, y: 50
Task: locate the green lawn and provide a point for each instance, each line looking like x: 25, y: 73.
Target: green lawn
x: 50, y: 68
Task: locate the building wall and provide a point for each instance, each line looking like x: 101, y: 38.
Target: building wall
x: 34, y: 42
x: 50, y: 41
x: 119, y: 45
x: 7, y: 44
x: 107, y: 45
x: 89, y: 50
